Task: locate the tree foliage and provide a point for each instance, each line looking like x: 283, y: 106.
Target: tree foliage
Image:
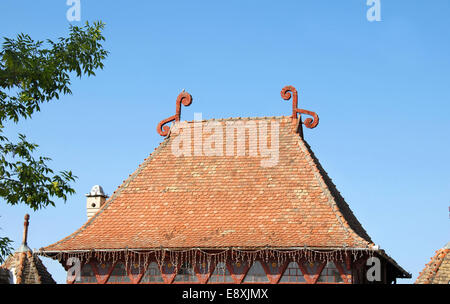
x: 31, y: 73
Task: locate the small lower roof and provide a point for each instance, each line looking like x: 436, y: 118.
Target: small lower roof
x: 27, y: 268
x: 437, y: 271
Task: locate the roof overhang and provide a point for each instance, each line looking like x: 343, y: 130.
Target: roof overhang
x: 59, y: 255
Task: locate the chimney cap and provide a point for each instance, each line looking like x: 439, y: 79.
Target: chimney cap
x: 96, y: 190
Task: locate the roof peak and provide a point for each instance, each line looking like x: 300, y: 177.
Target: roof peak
x: 287, y: 93
x: 239, y: 118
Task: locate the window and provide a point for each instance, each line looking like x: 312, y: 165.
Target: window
x: 256, y: 274
x: 152, y: 274
x: 293, y: 274
x: 87, y: 274
x: 221, y: 274
x: 119, y: 274
x: 330, y: 274
x: 186, y: 273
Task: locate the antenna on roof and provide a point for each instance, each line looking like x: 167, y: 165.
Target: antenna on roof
x: 183, y: 98
x: 297, y: 121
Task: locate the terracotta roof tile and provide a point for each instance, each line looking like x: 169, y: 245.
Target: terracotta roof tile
x: 28, y: 268
x: 224, y: 201
x: 437, y: 271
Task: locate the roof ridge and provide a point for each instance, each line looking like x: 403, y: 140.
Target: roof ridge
x: 20, y: 268
x: 34, y: 266
x: 238, y: 118
x: 336, y: 199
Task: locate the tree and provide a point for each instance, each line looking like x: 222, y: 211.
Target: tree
x: 32, y: 73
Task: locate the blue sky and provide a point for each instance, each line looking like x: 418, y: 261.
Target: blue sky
x: 381, y: 90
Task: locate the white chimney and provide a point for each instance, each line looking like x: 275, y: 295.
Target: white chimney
x: 95, y: 200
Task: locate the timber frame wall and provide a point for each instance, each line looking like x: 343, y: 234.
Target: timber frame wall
x: 347, y: 272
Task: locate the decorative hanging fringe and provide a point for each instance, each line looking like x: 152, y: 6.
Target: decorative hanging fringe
x: 197, y: 256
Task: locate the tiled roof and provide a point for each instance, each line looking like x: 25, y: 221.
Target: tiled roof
x: 23, y: 266
x: 224, y: 201
x: 437, y: 271
x: 28, y: 268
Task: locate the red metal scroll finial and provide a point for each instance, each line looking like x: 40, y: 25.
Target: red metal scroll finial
x: 309, y: 122
x: 183, y: 98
